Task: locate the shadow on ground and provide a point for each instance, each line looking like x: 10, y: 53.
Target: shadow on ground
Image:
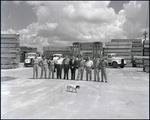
x: 8, y: 78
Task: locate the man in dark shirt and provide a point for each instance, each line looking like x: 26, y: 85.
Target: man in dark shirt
x: 66, y: 66
x: 73, y: 65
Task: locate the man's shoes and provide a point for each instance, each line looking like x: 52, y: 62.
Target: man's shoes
x: 102, y: 81
x: 106, y: 81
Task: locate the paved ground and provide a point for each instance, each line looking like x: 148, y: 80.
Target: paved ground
x: 126, y: 95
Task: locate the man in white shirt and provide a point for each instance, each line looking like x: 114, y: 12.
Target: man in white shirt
x: 59, y: 63
x: 89, y: 65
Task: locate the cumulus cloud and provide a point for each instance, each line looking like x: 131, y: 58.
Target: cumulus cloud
x: 60, y: 23
x: 135, y: 19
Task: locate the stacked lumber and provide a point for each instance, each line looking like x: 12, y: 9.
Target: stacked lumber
x: 49, y: 51
x: 146, y: 53
x: 125, y: 48
x: 97, y: 49
x: 10, y: 48
x: 137, y: 50
x: 25, y: 49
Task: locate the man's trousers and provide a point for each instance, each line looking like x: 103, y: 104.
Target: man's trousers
x: 44, y: 69
x: 35, y: 70
x: 51, y: 71
x: 66, y: 70
x: 59, y: 71
x: 88, y: 73
x: 80, y: 73
x: 96, y: 74
x: 73, y: 73
x: 103, y: 73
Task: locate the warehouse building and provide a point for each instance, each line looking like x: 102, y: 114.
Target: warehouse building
x: 10, y: 47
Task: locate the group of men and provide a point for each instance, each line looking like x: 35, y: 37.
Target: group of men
x: 73, y: 63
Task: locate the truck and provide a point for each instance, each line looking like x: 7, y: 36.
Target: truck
x: 114, y: 61
x: 29, y: 59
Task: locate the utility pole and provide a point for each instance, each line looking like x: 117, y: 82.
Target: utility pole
x: 144, y: 40
x: 145, y: 35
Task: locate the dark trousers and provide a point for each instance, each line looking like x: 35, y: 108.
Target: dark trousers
x: 66, y: 69
x: 103, y: 73
x: 73, y: 72
x: 59, y: 71
x: 88, y: 73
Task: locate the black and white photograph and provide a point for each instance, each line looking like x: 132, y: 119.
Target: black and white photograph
x: 75, y: 59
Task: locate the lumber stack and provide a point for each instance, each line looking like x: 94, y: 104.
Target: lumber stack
x: 88, y: 49
x: 125, y: 48
x: 49, y: 51
x: 10, y: 48
x: 25, y: 49
x: 146, y: 53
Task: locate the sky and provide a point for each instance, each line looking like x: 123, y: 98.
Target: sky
x: 60, y: 23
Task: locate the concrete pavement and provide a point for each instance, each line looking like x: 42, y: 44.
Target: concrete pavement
x: 126, y: 95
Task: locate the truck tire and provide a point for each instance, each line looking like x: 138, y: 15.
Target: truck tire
x: 25, y: 65
x: 115, y: 64
x: 122, y: 66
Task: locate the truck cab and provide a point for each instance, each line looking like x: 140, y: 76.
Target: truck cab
x: 29, y: 59
x: 115, y: 61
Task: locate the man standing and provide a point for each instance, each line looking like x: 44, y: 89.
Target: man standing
x: 89, y: 65
x: 66, y: 66
x: 96, y: 70
x: 73, y: 65
x: 44, y: 67
x: 81, y: 65
x: 51, y: 66
x: 59, y: 63
x: 103, y: 64
x: 35, y: 67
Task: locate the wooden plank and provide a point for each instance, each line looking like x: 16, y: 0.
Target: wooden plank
x: 136, y: 54
x: 119, y: 54
x: 115, y: 46
x: 136, y: 50
x: 146, y: 46
x: 9, y: 50
x: 118, y: 43
x: 10, y: 45
x: 86, y: 48
x: 126, y: 40
x: 119, y: 51
x: 8, y: 55
x: 137, y: 45
x: 10, y: 36
x: 146, y: 68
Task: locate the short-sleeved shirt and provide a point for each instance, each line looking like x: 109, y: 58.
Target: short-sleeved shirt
x: 89, y: 63
x: 35, y: 61
x: 81, y: 63
x: 103, y: 63
x: 66, y: 61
